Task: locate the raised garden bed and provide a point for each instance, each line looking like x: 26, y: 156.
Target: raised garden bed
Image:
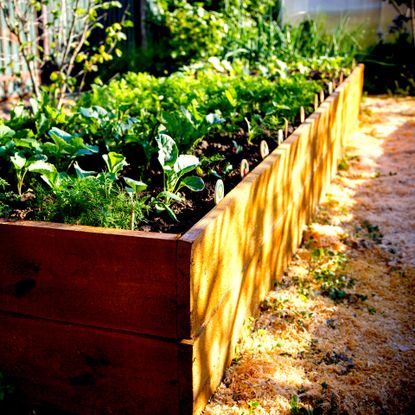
x: 99, y: 321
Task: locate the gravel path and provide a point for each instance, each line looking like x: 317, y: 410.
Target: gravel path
x: 337, y: 336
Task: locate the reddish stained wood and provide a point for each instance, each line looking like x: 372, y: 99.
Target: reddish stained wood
x: 184, y: 252
x: 113, y: 279
x: 86, y: 371
x: 234, y: 252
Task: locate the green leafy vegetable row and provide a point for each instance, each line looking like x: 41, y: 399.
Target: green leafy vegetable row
x: 132, y: 151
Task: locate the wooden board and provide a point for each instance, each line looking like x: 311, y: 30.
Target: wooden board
x: 89, y: 371
x: 99, y: 321
x: 103, y: 278
x: 246, y: 242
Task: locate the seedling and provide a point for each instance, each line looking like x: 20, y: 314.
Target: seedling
x: 134, y: 189
x: 175, y: 167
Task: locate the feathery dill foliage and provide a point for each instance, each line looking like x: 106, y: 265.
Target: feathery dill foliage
x: 88, y: 201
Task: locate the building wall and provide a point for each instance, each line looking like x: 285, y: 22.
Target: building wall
x: 374, y: 16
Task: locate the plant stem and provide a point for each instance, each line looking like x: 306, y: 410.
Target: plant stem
x: 132, y: 217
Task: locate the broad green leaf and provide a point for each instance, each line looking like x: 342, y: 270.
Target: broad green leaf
x: 230, y: 98
x: 87, y: 112
x: 214, y: 119
x: 135, y: 185
x: 6, y: 132
x: 87, y: 150
x: 170, y: 212
x: 115, y: 162
x: 185, y: 163
x: 170, y: 195
x: 94, y: 112
x: 81, y: 173
x: 18, y: 161
x: 216, y: 63
x: 7, y: 149
x: 194, y: 183
x: 42, y: 167
x: 52, y: 179
x: 57, y: 133
x: 30, y: 143
x: 168, y: 151
x: 34, y: 103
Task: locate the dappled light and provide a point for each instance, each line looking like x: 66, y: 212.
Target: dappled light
x: 252, y: 241
x: 355, y: 353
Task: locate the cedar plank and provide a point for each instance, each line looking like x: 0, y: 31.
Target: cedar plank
x: 106, y: 279
x: 86, y: 371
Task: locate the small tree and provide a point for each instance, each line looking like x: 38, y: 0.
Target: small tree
x: 53, y: 39
x: 405, y: 10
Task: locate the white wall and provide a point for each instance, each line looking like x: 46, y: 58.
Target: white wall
x: 372, y: 16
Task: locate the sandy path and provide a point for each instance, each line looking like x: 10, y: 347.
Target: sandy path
x: 337, y: 336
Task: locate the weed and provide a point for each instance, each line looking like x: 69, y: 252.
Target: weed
x: 296, y: 409
x: 252, y: 405
x: 372, y: 310
x: 344, y: 164
x: 373, y: 231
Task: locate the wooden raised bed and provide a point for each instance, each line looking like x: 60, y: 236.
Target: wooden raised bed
x: 98, y: 321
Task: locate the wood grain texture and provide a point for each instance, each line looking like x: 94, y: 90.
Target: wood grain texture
x: 87, y: 371
x: 110, y: 279
x: 89, y: 292
x: 246, y: 242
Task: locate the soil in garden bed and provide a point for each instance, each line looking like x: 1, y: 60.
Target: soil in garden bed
x: 228, y: 153
x: 223, y: 155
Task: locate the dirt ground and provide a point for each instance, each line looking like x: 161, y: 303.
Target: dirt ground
x: 337, y: 335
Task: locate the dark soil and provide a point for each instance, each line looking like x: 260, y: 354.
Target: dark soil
x: 232, y: 151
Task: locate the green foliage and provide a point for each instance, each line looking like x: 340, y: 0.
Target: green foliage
x: 175, y: 167
x: 90, y: 201
x: 187, y: 31
x: 136, y: 136
x: 389, y: 64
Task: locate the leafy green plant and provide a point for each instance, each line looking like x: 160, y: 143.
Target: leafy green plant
x: 175, y: 167
x: 21, y: 166
x: 91, y: 200
x: 134, y: 189
x: 121, y: 133
x: 65, y: 148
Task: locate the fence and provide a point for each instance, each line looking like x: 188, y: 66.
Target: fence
x: 14, y: 74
